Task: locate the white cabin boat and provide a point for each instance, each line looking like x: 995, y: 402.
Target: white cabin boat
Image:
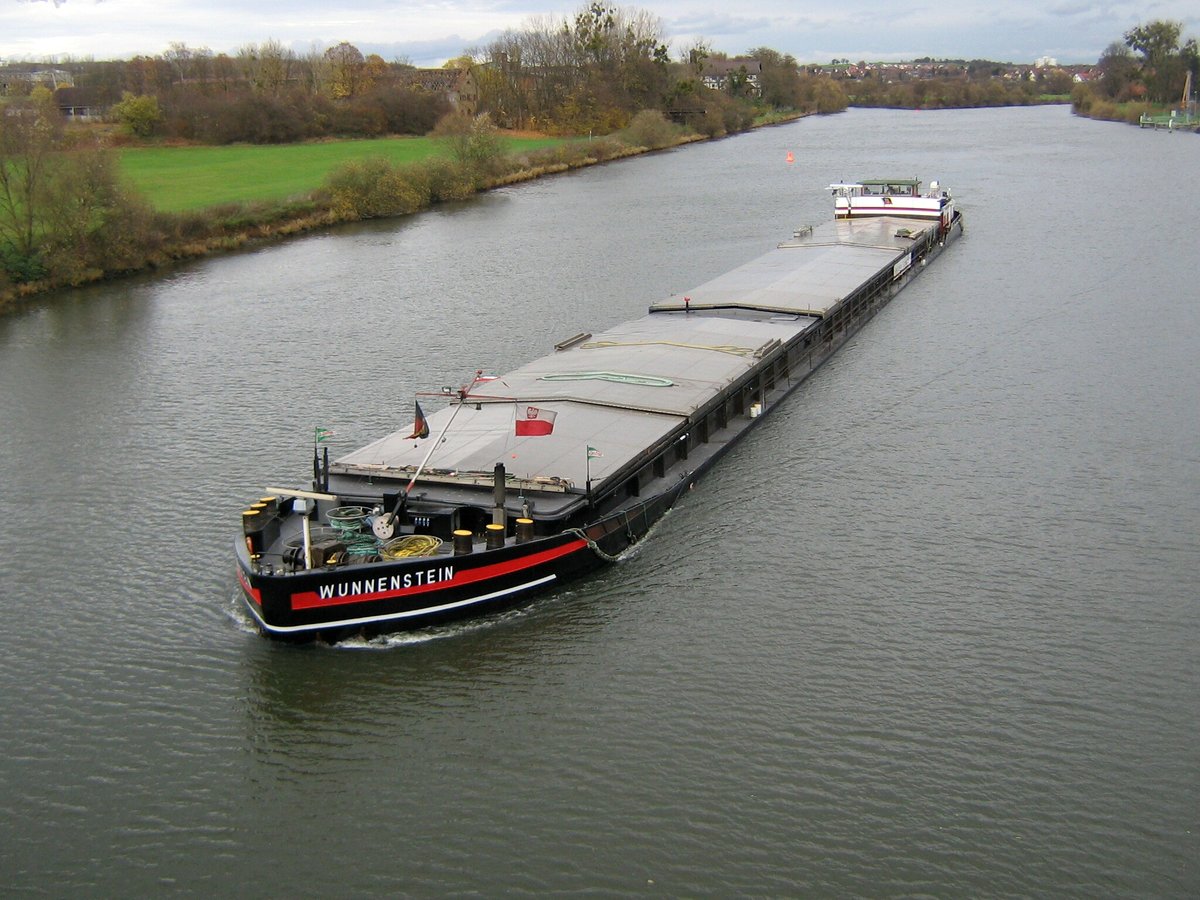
x: 892, y: 197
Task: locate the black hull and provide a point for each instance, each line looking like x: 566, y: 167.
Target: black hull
x: 334, y: 603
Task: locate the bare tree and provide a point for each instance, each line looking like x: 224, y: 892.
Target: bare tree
x: 30, y: 132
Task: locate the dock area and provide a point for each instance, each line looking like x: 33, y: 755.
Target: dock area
x: 1173, y: 121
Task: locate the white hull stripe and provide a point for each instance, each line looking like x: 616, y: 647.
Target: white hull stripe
x: 408, y: 614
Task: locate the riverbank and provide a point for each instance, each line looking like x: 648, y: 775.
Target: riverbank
x: 1087, y: 105
x: 237, y: 226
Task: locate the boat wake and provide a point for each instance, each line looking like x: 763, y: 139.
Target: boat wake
x: 236, y: 611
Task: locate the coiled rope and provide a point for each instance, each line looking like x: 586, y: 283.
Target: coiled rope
x: 348, y: 522
x: 410, y: 545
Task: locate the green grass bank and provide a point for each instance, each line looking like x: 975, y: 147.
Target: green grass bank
x: 186, y: 179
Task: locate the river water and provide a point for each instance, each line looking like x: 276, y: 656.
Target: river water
x: 933, y: 629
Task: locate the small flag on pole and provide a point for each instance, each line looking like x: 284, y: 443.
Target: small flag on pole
x: 322, y: 434
x: 420, y: 426
x: 593, y: 453
x: 535, y: 422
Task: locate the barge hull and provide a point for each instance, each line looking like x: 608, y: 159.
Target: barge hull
x: 677, y: 436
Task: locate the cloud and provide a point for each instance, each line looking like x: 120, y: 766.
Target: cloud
x: 429, y: 30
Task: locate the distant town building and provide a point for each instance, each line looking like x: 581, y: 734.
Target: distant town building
x: 458, y: 86
x: 720, y: 74
x: 1046, y: 62
x: 19, y: 79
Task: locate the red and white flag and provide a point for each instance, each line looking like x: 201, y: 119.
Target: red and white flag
x: 534, y: 421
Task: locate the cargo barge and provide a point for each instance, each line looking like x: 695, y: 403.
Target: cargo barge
x: 527, y: 480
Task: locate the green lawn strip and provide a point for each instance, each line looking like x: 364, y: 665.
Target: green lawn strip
x: 177, y: 179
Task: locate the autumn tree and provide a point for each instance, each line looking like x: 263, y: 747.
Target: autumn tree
x: 590, y: 71
x: 780, y: 77
x: 1118, y: 70
x: 139, y: 113
x: 57, y: 206
x: 472, y: 140
x: 268, y: 67
x: 30, y: 133
x: 187, y: 63
x: 1164, y: 59
x: 346, y: 70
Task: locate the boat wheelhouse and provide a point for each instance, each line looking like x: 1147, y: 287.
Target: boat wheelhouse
x: 526, y: 480
x: 892, y: 197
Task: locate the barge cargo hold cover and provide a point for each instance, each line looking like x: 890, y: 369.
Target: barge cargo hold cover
x: 537, y: 476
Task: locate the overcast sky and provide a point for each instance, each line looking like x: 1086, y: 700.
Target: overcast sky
x: 427, y: 32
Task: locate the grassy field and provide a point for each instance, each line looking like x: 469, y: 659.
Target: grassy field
x: 177, y: 179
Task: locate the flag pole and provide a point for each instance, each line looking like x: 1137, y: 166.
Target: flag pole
x: 462, y: 398
x: 425, y: 461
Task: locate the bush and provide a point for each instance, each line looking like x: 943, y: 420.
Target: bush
x: 372, y: 188
x: 20, y: 269
x: 444, y: 180
x: 139, y: 114
x: 407, y: 112
x: 261, y: 120
x: 472, y: 141
x: 650, y: 129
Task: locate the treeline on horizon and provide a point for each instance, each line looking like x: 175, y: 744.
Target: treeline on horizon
x: 1143, y: 73
x: 66, y: 217
x: 586, y: 74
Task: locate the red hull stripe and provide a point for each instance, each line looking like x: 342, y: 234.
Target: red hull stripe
x: 311, y: 599
x: 254, y: 593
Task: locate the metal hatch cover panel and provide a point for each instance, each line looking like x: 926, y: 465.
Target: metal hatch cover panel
x: 695, y: 357
x: 687, y: 360
x: 480, y: 438
x: 812, y: 273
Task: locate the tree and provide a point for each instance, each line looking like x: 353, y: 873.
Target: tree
x: 56, y: 206
x: 1163, y: 64
x: 375, y: 72
x: 1118, y: 70
x: 30, y: 132
x: 188, y: 64
x: 268, y: 67
x: 91, y: 224
x: 588, y: 72
x: 346, y: 65
x: 780, y: 78
x: 696, y: 56
x: 140, y: 114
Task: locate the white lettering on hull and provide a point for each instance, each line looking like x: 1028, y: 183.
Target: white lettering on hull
x: 386, y: 583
